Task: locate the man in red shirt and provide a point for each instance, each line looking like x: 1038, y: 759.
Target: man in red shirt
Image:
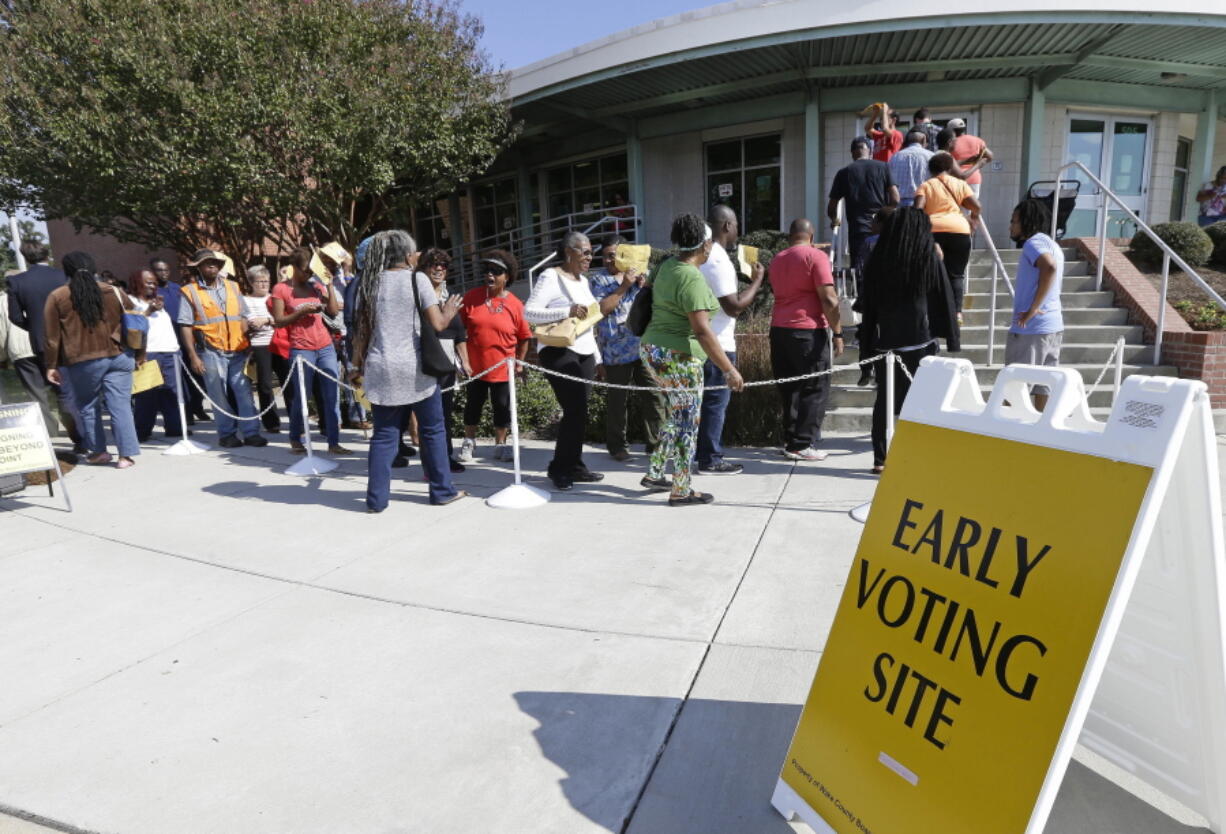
x: 971, y: 153
x: 886, y: 142
x: 804, y: 323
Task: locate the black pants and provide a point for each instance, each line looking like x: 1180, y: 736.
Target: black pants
x: 499, y: 395
x: 901, y: 386
x: 957, y: 251
x: 281, y: 367
x: 193, y: 400
x: 448, y: 408
x: 262, y: 356
x: 572, y: 396
x: 32, y: 373
x: 795, y: 352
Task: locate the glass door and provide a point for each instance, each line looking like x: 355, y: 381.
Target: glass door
x: 1116, y: 150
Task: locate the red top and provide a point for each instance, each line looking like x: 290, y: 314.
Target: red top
x: 308, y: 332
x: 966, y: 147
x: 795, y: 275
x: 495, y: 329
x: 885, y: 144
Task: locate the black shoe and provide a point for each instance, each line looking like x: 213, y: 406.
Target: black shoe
x: 145, y: 439
x: 202, y: 416
x: 692, y: 498
x: 562, y: 483
x: 866, y: 378
x: 407, y: 451
x: 255, y: 440
x: 656, y: 484
x: 230, y: 441
x: 456, y: 467
x: 399, y: 462
x: 722, y: 468
x: 587, y: 476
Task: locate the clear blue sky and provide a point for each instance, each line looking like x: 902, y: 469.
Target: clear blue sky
x: 518, y: 32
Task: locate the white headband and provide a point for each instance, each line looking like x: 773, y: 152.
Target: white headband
x: 707, y: 236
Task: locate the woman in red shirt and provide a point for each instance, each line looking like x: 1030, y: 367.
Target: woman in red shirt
x: 497, y: 330
x: 296, y: 306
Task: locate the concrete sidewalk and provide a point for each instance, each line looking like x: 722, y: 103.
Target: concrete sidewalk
x: 210, y: 646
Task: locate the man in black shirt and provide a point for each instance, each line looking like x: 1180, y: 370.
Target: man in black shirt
x: 864, y: 186
x: 27, y: 296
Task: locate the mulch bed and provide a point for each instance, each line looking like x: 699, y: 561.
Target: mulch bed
x: 1183, y: 288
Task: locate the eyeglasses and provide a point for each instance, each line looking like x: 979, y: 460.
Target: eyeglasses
x: 583, y: 253
x: 434, y: 267
x: 493, y: 270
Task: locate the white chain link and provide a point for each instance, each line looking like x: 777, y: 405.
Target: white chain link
x: 205, y: 394
x: 460, y: 383
x: 833, y: 370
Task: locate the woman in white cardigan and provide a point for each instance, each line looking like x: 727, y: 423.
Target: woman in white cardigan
x: 560, y: 292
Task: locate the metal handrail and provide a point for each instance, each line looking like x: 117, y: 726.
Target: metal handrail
x: 608, y: 217
x: 1168, y: 254
x: 998, y: 271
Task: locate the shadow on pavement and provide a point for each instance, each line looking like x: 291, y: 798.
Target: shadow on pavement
x: 719, y: 769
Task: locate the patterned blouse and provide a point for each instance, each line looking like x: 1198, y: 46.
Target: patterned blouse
x: 618, y: 345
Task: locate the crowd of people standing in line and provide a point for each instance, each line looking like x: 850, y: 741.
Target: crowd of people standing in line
x: 385, y: 319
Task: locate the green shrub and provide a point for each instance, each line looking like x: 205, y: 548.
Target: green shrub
x: 1202, y: 315
x: 1187, y: 239
x: 538, y: 409
x: 1217, y: 234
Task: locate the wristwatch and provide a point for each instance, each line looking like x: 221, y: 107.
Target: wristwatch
x: 838, y: 335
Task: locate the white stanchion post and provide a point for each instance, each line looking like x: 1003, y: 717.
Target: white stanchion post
x: 1119, y: 368
x: 183, y: 446
x: 309, y: 465
x: 517, y: 496
x: 890, y: 358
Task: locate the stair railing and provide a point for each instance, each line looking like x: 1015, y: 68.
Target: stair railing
x: 998, y: 272
x: 1168, y: 254
x: 608, y: 218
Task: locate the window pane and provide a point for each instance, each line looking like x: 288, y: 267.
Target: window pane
x: 613, y: 168
x: 1179, y: 193
x: 1082, y: 223
x: 484, y: 194
x: 587, y: 174
x: 762, y: 150
x: 762, y: 194
x: 559, y: 179
x: 1128, y: 157
x: 485, y: 223
x: 724, y: 188
x: 504, y: 190
x: 559, y: 204
x: 724, y: 156
x: 1183, y: 153
x: 614, y: 193
x: 1085, y: 145
x: 587, y: 199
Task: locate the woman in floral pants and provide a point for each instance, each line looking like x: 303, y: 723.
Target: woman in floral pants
x: 676, y: 343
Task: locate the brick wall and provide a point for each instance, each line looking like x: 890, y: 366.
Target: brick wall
x: 1197, y: 354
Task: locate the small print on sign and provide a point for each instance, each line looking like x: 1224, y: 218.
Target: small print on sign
x: 725, y: 189
x: 24, y: 446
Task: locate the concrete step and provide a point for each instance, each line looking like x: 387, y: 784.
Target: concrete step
x: 984, y: 270
x: 1072, y: 317
x: 1071, y: 353
x: 1073, y: 333
x: 1071, y: 283
x: 986, y: 374
x: 1081, y: 299
x: 853, y: 396
x: 860, y: 420
x: 1009, y: 254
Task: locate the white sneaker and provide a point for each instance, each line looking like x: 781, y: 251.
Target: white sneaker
x: 807, y: 454
x: 501, y: 451
x: 467, y: 450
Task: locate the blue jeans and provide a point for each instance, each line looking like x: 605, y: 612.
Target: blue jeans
x: 1204, y: 220
x: 109, y: 379
x: 325, y: 359
x: 385, y: 444
x: 164, y: 399
x: 225, y: 375
x: 714, y: 407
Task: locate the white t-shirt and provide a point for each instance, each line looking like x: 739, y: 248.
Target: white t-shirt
x: 162, y: 338
x: 552, y: 295
x: 721, y: 278
x: 257, y: 308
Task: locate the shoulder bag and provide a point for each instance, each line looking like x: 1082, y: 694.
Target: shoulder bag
x: 134, y: 327
x: 639, y: 317
x: 565, y: 332
x: 434, y: 360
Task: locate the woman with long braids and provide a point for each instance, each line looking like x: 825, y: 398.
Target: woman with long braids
x: 560, y: 292
x: 674, y: 347
x: 394, y: 304
x: 908, y: 304
x: 84, y: 323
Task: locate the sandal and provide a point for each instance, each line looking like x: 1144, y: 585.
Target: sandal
x: 693, y: 498
x: 461, y: 494
x: 125, y: 463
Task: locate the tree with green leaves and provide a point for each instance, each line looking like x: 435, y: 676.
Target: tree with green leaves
x: 244, y: 124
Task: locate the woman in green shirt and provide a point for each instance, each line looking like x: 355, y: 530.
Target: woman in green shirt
x: 676, y: 343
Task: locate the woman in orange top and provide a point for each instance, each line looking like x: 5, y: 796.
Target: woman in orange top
x: 943, y: 198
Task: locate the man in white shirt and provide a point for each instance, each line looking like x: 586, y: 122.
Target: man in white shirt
x: 909, y: 167
x: 721, y: 277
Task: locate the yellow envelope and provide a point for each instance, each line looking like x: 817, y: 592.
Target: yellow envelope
x: 746, y: 257
x: 632, y: 258
x: 148, y: 375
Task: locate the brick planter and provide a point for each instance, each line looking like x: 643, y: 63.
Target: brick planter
x: 1197, y: 354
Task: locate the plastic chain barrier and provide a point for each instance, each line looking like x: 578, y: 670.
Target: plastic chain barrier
x: 205, y: 394
x: 460, y: 383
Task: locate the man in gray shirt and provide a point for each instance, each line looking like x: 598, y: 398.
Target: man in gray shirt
x: 909, y: 167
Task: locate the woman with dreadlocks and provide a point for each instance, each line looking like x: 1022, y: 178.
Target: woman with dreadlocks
x: 908, y: 304
x: 83, y: 320
x: 394, y: 304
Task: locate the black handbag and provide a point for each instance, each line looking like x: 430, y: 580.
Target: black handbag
x: 639, y: 316
x: 434, y: 360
